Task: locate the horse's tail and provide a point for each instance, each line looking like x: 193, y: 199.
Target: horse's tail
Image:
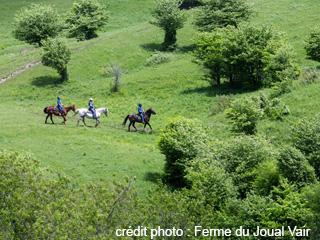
x: 75, y: 112
x: 125, y: 120
x: 45, y: 110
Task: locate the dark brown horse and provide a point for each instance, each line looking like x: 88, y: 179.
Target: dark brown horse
x: 136, y: 118
x: 51, y: 110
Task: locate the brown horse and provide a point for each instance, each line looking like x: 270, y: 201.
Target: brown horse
x: 136, y: 118
x: 51, y: 110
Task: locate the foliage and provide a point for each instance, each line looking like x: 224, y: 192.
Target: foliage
x: 313, y: 45
x: 85, y: 18
x: 311, y: 195
x: 182, y: 140
x: 209, y: 183
x: 280, y: 88
x: 267, y: 177
x: 244, y: 114
x: 221, y: 103
x: 168, y: 16
x: 306, y: 138
x: 217, y: 14
x: 309, y: 76
x: 37, y: 23
x: 159, y: 57
x: 276, y: 110
x: 56, y: 55
x: 240, y: 156
x: 294, y: 166
x: 250, y: 56
x: 116, y: 71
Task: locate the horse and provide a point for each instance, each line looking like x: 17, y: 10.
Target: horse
x: 51, y: 110
x: 84, y: 112
x: 136, y: 118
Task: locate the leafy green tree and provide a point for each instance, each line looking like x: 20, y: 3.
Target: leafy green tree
x: 182, y: 140
x: 249, y: 56
x: 56, y: 55
x: 217, y: 14
x: 313, y: 45
x: 37, y: 23
x: 85, y: 18
x: 168, y: 16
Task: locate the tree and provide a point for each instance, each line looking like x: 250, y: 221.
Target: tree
x: 85, y: 18
x: 170, y: 18
x: 216, y: 14
x: 56, y: 55
x: 37, y: 23
x: 248, y: 55
x: 313, y: 45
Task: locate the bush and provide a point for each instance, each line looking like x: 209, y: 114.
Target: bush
x: 210, y: 184
x: 294, y: 166
x: 218, y: 14
x: 37, y: 23
x: 158, y: 58
x: 276, y: 110
x: 309, y: 76
x: 244, y: 114
x: 56, y: 55
x: 85, y: 18
x: 182, y: 140
x: 240, y: 156
x: 313, y: 45
x: 267, y: 177
x: 306, y: 138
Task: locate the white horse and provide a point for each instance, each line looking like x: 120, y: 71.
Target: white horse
x: 84, y: 112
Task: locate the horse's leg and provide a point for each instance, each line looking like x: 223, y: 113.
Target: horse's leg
x: 84, y: 121
x: 47, y: 118
x: 79, y: 119
x: 134, y: 126
x: 97, y: 122
x: 145, y: 126
x: 149, y: 125
x: 129, y: 126
x: 64, y: 120
x: 51, y: 119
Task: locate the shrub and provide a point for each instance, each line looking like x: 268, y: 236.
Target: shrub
x: 217, y: 14
x: 85, y: 18
x: 115, y: 71
x: 306, y: 138
x: 240, y: 156
x: 309, y: 76
x: 313, y: 45
x: 210, y: 183
x: 182, y: 140
x: 276, y: 110
x: 56, y: 55
x: 37, y: 23
x: 267, y: 177
x: 244, y: 114
x: 294, y: 166
x: 158, y: 58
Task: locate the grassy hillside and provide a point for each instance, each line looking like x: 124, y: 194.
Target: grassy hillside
x: 173, y: 88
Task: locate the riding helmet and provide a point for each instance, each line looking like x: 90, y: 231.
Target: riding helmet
x: 58, y: 97
x: 91, y: 99
x: 140, y: 104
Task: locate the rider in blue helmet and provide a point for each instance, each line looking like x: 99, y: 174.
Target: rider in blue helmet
x: 140, y: 112
x: 91, y: 108
x: 59, y: 105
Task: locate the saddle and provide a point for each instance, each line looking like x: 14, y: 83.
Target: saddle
x: 57, y: 109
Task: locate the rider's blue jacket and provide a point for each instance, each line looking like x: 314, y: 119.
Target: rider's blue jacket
x: 140, y: 110
x: 59, y: 102
x: 91, y: 106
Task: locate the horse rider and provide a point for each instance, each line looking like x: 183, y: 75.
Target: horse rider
x: 140, y: 112
x: 59, y: 105
x: 91, y: 108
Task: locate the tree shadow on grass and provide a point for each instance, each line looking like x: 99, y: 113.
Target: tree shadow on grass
x: 223, y: 89
x: 45, y: 81
x: 152, y: 47
x: 186, y: 48
x: 152, y: 177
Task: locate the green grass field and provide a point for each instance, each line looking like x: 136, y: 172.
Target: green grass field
x: 171, y: 89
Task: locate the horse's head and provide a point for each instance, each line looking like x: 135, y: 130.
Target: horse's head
x: 151, y: 111
x: 106, y: 112
x: 73, y: 108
